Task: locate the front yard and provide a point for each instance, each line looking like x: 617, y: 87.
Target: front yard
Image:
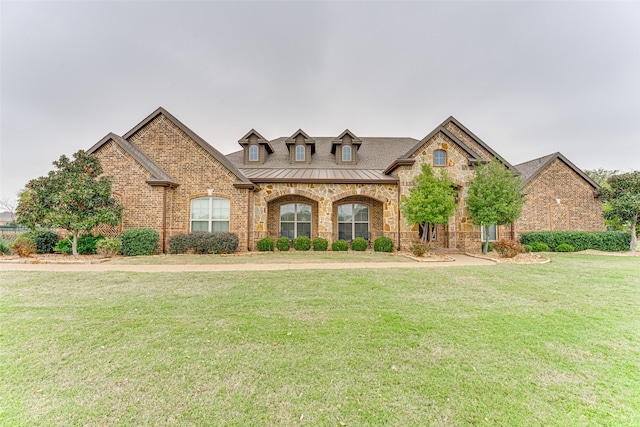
x: 552, y: 344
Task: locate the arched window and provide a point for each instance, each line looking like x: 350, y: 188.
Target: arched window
x: 210, y: 214
x: 253, y: 153
x: 300, y: 153
x: 346, y: 153
x: 295, y: 220
x: 439, y: 158
x: 353, y: 221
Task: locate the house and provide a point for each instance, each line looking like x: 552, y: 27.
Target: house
x: 341, y: 186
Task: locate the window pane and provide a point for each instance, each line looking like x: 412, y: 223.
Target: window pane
x: 361, y: 212
x: 346, y: 154
x: 304, y: 229
x: 287, y: 229
x: 344, y: 231
x: 220, y: 208
x: 362, y: 230
x: 199, y: 225
x: 220, y: 226
x: 253, y: 153
x: 200, y: 208
x: 287, y: 212
x: 300, y: 152
x: 345, y: 213
x: 492, y: 230
x: 304, y: 212
x: 439, y: 158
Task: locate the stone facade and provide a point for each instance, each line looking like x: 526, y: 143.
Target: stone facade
x: 160, y: 166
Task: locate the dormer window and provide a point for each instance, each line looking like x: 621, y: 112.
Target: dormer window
x: 254, y: 153
x: 300, y: 149
x: 439, y: 158
x: 346, y: 153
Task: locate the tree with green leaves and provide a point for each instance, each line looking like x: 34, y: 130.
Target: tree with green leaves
x: 431, y: 201
x: 623, y: 196
x: 495, y: 197
x: 73, y: 197
x: 601, y: 177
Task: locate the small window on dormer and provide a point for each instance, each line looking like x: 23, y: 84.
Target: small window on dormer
x: 439, y: 158
x: 300, y: 153
x: 346, y: 153
x: 253, y: 153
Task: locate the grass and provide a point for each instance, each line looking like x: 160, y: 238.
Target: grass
x: 553, y: 344
x: 293, y: 257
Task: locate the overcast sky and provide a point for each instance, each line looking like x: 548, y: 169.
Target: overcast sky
x: 529, y: 78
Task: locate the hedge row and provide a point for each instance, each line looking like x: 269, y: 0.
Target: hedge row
x: 203, y: 243
x: 581, y: 240
x: 303, y: 243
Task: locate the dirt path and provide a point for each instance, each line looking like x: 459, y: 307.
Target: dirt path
x: 459, y: 261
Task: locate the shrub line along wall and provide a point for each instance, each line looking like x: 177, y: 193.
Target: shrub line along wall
x: 581, y: 240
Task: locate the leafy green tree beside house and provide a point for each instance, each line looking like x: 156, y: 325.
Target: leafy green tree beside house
x: 623, y: 196
x: 431, y: 201
x: 73, y: 197
x: 495, y: 197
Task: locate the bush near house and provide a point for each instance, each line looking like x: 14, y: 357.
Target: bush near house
x: 564, y: 247
x: 581, y: 240
x: 108, y: 247
x: 339, y: 246
x: 139, y: 241
x: 203, y: 243
x: 44, y: 240
x: 4, y: 247
x: 539, y: 247
x: 383, y: 244
x: 419, y: 248
x: 23, y: 246
x: 283, y: 244
x: 87, y: 245
x: 359, y: 244
x: 265, y: 245
x: 507, y: 248
x: 302, y: 243
x: 320, y: 244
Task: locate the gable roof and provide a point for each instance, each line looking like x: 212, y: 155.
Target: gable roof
x: 261, y: 140
x: 532, y: 168
x: 338, y: 141
x: 241, y: 179
x: 157, y: 176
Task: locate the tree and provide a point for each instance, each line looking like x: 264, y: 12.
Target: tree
x: 623, y: 195
x: 431, y: 201
x: 601, y: 177
x: 495, y: 197
x: 73, y: 197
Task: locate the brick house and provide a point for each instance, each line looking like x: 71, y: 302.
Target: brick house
x: 344, y: 186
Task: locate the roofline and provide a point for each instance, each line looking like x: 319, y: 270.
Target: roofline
x: 396, y: 163
x: 558, y: 155
x: 390, y: 180
x: 204, y: 144
x: 245, y: 140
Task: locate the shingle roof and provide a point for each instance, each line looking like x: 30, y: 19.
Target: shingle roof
x: 532, y: 168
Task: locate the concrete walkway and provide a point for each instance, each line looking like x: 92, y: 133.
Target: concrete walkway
x: 459, y: 261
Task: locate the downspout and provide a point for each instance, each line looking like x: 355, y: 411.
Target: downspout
x: 164, y: 220
x: 249, y: 210
x: 399, y: 217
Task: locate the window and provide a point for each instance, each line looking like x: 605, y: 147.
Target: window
x: 300, y: 153
x: 353, y: 221
x: 492, y: 230
x: 210, y: 214
x: 439, y: 158
x: 295, y: 220
x: 346, y: 153
x: 253, y: 153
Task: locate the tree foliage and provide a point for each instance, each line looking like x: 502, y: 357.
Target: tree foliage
x: 495, y: 197
x: 623, y: 196
x: 431, y: 201
x: 601, y: 177
x: 73, y: 197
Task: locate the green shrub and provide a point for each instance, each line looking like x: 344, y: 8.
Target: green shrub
x: 419, y: 247
x: 565, y: 247
x: 265, y: 245
x: 4, y: 247
x: 44, y: 240
x: 527, y: 248
x: 508, y: 248
x: 320, y: 244
x: 302, y: 243
x: 23, y: 246
x: 383, y: 244
x: 539, y: 247
x: 203, y: 243
x: 359, y: 244
x: 87, y: 244
x: 339, y: 246
x: 108, y: 247
x: 581, y: 240
x: 139, y: 241
x: 490, y: 247
x: 283, y: 244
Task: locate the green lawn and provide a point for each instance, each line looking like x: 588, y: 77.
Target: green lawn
x: 554, y: 344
